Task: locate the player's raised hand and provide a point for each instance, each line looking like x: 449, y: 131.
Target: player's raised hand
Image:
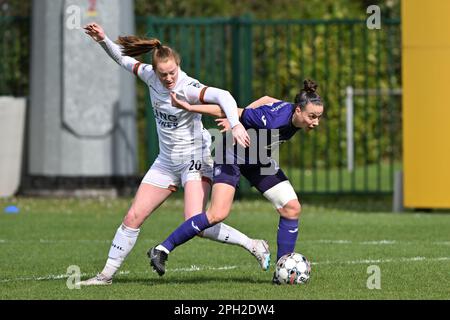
x: 179, y: 103
x: 240, y: 135
x: 95, y: 31
x: 224, y: 123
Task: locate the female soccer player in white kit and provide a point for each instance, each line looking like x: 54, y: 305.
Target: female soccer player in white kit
x: 184, y: 146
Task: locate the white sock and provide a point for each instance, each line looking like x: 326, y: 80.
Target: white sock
x: 162, y: 248
x: 224, y: 233
x: 121, y: 246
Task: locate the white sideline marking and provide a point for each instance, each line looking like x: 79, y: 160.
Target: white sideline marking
x: 64, y: 276
x: 373, y: 242
x: 379, y: 242
x: 52, y: 277
x: 329, y: 241
x: 68, y: 241
x: 325, y: 241
x: 196, y: 268
x: 49, y: 241
x: 444, y: 243
x: 366, y: 261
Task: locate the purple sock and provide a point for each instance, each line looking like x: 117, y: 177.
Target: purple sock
x: 286, y: 236
x: 186, y: 231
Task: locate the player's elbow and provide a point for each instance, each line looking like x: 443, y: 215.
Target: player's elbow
x: 225, y: 96
x: 219, y: 96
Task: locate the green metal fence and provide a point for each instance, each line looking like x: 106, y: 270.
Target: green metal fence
x: 356, y: 68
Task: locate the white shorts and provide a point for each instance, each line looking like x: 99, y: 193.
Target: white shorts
x: 162, y: 175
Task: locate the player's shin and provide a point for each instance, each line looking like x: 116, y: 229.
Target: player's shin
x: 286, y: 236
x: 186, y: 231
x: 121, y: 246
x: 222, y: 232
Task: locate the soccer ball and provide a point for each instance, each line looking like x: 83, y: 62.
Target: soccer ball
x: 292, y: 268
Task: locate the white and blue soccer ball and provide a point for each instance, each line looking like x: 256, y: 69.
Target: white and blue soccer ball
x: 293, y: 268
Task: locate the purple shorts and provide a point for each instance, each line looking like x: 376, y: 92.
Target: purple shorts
x: 230, y: 174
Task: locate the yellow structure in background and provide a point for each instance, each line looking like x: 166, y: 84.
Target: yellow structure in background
x: 426, y: 103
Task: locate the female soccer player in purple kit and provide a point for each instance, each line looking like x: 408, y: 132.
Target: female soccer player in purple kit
x: 278, y: 118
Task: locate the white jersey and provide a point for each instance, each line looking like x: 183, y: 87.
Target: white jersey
x: 181, y: 134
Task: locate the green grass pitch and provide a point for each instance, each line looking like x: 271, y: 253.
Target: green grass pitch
x: 39, y: 244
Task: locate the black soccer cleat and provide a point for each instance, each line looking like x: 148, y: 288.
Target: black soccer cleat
x: 158, y: 260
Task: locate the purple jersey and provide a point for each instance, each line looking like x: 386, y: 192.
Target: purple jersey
x: 268, y: 126
x: 276, y: 115
x: 273, y: 116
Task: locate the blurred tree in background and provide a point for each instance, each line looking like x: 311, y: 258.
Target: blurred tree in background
x: 15, y: 44
x: 17, y: 8
x: 266, y: 9
x: 281, y: 59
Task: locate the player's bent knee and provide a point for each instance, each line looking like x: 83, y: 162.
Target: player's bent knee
x: 129, y: 220
x: 216, y: 216
x: 133, y: 219
x: 282, y: 196
x: 215, y: 219
x: 292, y: 209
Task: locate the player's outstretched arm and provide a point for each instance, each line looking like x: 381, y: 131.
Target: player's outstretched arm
x: 261, y: 101
x: 226, y: 101
x: 96, y: 32
x: 224, y: 124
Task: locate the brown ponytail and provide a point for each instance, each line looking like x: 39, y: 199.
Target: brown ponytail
x: 135, y: 46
